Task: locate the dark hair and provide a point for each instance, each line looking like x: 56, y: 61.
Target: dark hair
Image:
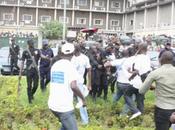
x: 30, y: 42
x: 166, y: 57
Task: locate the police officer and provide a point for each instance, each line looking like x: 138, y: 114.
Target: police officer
x: 14, y: 52
x: 46, y: 56
x: 31, y: 55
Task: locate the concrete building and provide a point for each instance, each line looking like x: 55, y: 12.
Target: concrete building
x: 28, y: 15
x: 151, y: 17
x: 129, y: 16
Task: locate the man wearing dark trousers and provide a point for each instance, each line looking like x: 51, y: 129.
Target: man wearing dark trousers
x: 46, y: 56
x: 164, y: 91
x: 14, y: 52
x: 31, y: 56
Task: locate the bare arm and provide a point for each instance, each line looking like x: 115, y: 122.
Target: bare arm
x: 77, y: 92
x: 89, y: 78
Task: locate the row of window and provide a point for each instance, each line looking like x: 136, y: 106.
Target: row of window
x: 44, y: 18
x: 97, y: 3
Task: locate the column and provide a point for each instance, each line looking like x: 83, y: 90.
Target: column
x: 125, y: 22
x: 157, y: 16
x: 17, y: 17
x: 145, y: 17
x: 90, y: 14
x: 36, y: 17
x: 55, y: 11
x: 124, y: 5
x: 107, y: 21
x: 172, y: 13
x: 107, y: 15
x: 73, y: 13
x: 134, y: 22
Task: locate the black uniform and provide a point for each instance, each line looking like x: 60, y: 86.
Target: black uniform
x: 32, y: 72
x: 14, y: 52
x: 45, y: 68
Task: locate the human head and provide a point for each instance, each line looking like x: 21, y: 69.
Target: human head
x: 168, y: 45
x: 142, y: 48
x: 125, y: 53
x: 166, y: 58
x: 13, y: 40
x: 67, y: 50
x: 45, y: 43
x: 30, y: 43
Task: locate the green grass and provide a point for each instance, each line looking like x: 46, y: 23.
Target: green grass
x: 17, y: 114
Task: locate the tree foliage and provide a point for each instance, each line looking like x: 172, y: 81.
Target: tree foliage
x: 52, y: 30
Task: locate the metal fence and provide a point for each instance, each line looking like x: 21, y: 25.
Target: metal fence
x: 21, y: 41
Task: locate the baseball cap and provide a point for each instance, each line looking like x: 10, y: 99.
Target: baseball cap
x: 67, y: 48
x: 45, y: 42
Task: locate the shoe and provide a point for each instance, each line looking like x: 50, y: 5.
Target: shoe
x: 135, y: 115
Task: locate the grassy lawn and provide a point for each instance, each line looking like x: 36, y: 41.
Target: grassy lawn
x: 17, y: 114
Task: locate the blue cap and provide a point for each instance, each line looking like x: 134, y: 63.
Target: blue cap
x: 45, y: 42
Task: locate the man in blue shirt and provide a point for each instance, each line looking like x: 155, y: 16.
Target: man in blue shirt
x: 46, y: 56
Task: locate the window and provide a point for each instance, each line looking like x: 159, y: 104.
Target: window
x: 62, y: 2
x: 8, y: 16
x: 115, y: 4
x: 98, y: 21
x: 46, y: 1
x: 81, y: 21
x: 99, y: 3
x: 82, y: 2
x: 27, y: 18
x: 45, y: 18
x: 61, y: 19
x: 114, y: 22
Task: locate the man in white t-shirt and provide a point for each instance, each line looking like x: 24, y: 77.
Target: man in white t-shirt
x: 123, y: 82
x: 62, y: 86
x: 142, y: 67
x: 81, y: 62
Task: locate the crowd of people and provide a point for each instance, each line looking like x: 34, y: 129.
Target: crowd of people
x: 77, y: 71
x: 20, y: 34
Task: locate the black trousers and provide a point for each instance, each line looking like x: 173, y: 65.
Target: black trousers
x: 162, y: 118
x: 32, y: 83
x: 14, y: 64
x: 44, y: 77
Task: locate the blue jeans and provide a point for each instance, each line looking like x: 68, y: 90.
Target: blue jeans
x: 67, y: 120
x: 83, y: 110
x: 118, y: 94
x: 139, y: 98
x: 124, y: 88
x: 125, y: 108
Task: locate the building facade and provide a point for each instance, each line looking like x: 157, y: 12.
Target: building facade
x: 144, y: 17
x: 28, y: 15
x: 151, y: 17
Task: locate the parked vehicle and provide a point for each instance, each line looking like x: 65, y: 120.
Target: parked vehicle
x: 5, y: 62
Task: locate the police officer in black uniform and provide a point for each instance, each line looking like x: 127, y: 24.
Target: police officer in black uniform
x: 31, y: 55
x: 45, y: 64
x: 14, y: 52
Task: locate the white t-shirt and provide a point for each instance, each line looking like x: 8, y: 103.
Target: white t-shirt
x: 61, y: 94
x: 122, y: 66
x: 81, y: 63
x: 136, y: 81
x: 142, y: 63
